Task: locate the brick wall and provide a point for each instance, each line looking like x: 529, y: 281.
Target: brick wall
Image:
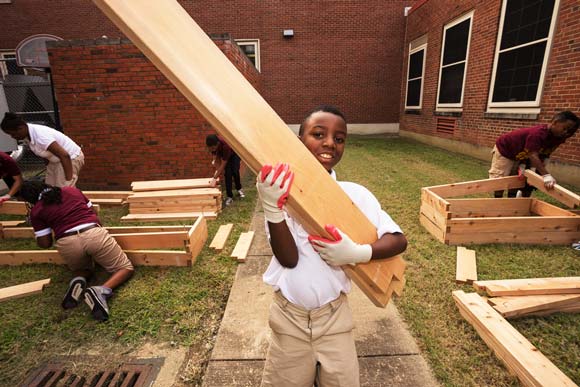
x: 132, y: 122
x: 347, y: 53
x: 561, y: 86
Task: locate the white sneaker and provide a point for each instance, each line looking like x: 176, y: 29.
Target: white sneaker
x: 229, y: 201
x: 241, y: 193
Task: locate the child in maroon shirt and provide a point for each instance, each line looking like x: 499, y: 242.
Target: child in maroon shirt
x: 10, y: 173
x: 531, y: 146
x: 79, y: 238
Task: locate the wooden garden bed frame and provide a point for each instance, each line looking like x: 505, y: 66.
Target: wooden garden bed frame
x: 490, y: 220
x: 135, y: 244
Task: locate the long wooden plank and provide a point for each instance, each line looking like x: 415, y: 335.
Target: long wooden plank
x: 10, y: 223
x: 151, y: 240
x: 477, y: 186
x: 242, y: 247
x: 174, y: 43
x: 173, y: 194
x: 137, y: 257
x: 22, y: 290
x: 196, y: 237
x: 530, y: 238
x: 518, y: 306
x: 19, y: 208
x: 559, y: 193
x: 160, y: 185
x: 466, y: 266
x: 92, y: 195
x: 168, y: 217
x: 28, y: 232
x: 529, y: 286
x: 221, y: 236
x: 521, y: 224
x: 466, y: 208
x: 519, y: 355
x: 542, y: 208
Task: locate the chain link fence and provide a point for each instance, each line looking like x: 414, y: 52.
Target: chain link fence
x: 29, y: 94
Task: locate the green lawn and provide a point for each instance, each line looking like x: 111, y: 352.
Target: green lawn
x: 184, y: 305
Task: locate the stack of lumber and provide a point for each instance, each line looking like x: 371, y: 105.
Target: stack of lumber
x: 532, y: 296
x: 491, y: 220
x: 137, y: 242
x: 173, y: 200
x: 524, y: 360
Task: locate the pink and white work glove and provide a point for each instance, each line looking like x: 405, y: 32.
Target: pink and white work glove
x: 549, y: 181
x: 341, y: 251
x: 273, y: 185
x: 4, y: 198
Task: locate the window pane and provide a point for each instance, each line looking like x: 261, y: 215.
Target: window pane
x: 456, y: 43
x: 413, y: 93
x: 11, y: 66
x: 416, y: 64
x: 518, y: 74
x: 526, y: 21
x: 451, y: 83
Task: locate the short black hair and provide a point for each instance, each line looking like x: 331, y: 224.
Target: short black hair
x: 11, y: 122
x: 567, y: 115
x: 322, y: 108
x: 33, y: 191
x: 211, y: 140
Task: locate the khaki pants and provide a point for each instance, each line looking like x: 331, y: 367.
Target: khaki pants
x: 301, y: 339
x: 79, y: 251
x: 55, y: 171
x: 502, y: 166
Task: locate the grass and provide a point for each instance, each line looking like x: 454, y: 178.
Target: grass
x: 395, y: 170
x: 180, y: 306
x: 183, y: 306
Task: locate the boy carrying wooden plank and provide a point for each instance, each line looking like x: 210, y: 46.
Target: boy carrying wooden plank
x: 310, y: 318
x: 228, y: 163
x: 531, y: 146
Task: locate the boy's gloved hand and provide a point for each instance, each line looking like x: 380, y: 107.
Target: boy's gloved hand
x: 549, y: 181
x: 273, y: 184
x: 4, y: 198
x: 341, y: 251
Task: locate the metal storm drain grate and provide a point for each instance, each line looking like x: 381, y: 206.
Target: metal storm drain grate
x: 135, y: 373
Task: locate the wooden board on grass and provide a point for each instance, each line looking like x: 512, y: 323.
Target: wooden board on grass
x: 23, y: 290
x: 169, y: 217
x: 242, y: 247
x: 161, y: 185
x: 529, y: 286
x: 518, y: 306
x: 137, y: 257
x: 221, y: 236
x: 151, y: 240
x: 530, y: 366
x: 466, y: 266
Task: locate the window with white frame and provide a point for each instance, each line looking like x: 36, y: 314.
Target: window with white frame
x: 8, y: 64
x: 415, y: 73
x: 523, y: 44
x: 251, y: 47
x: 454, y: 54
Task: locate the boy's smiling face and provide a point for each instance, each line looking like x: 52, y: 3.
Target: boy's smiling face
x: 324, y: 135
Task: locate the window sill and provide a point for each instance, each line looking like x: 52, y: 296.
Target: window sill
x: 416, y: 112
x: 447, y: 113
x: 511, y: 115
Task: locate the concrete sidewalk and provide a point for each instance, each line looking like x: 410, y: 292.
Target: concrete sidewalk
x: 388, y: 355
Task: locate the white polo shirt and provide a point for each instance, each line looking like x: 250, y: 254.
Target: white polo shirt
x: 313, y: 283
x: 42, y: 136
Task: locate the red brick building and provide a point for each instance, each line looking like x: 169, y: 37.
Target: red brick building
x: 349, y: 53
x: 478, y: 69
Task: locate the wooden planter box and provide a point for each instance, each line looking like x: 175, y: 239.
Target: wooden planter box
x: 490, y: 220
